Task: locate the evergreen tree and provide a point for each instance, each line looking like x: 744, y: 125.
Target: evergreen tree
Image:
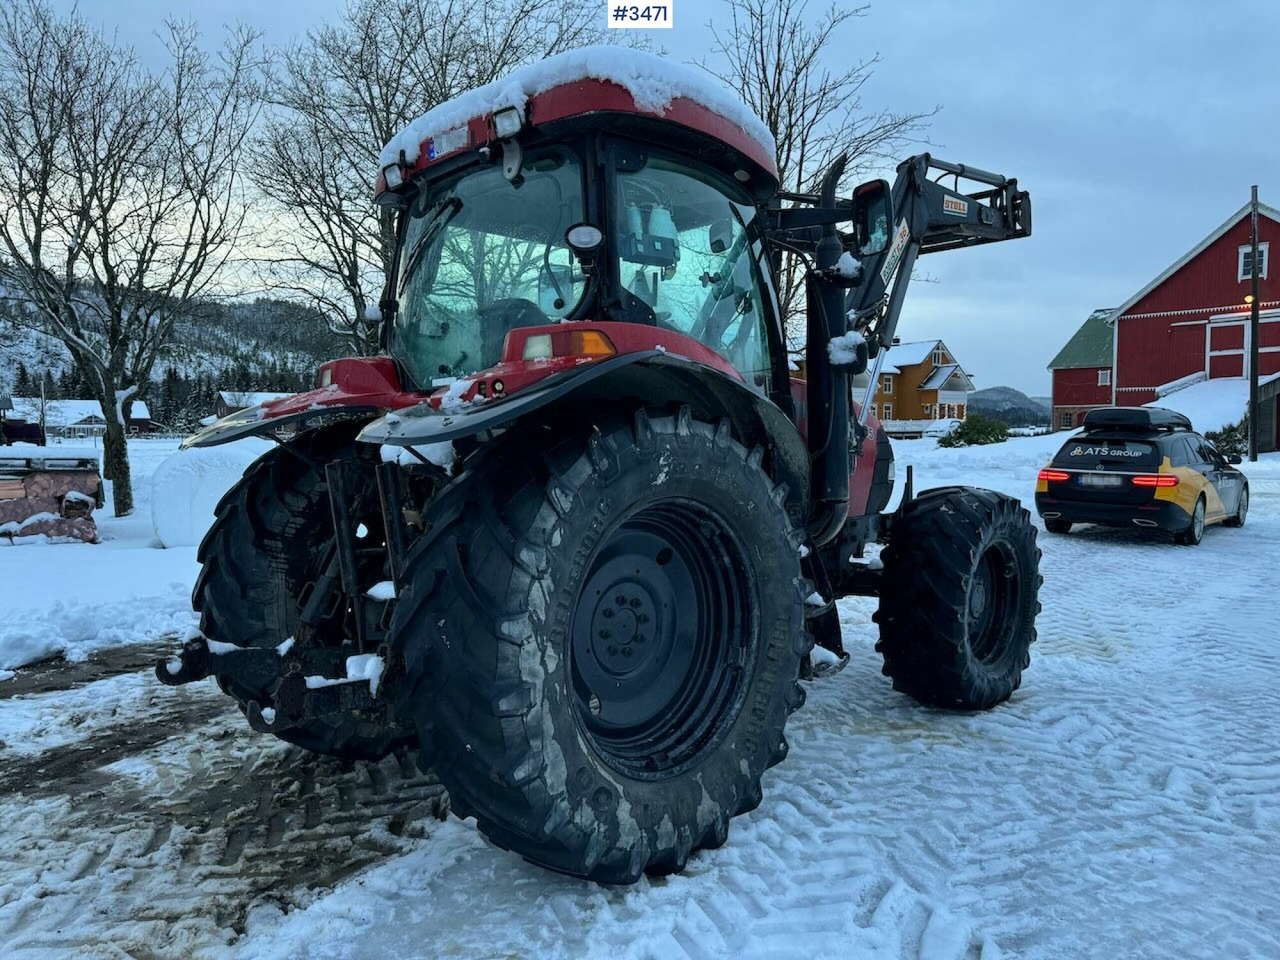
x: 24, y: 385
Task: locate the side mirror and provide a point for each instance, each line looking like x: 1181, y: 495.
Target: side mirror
x: 872, y: 217
x: 1234, y: 458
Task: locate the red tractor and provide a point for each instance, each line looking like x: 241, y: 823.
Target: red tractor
x: 576, y: 534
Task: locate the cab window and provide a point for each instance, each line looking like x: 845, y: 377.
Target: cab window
x: 685, y: 250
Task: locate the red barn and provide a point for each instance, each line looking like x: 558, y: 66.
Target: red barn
x: 1082, y: 372
x: 1192, y: 319
x: 1189, y: 323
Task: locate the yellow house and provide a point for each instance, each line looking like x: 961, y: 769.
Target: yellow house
x: 920, y: 382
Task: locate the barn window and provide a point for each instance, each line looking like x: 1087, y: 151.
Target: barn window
x: 1104, y: 378
x: 1064, y: 420
x: 1246, y: 261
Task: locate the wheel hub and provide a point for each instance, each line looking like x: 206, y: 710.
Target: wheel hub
x: 622, y: 627
x: 660, y: 627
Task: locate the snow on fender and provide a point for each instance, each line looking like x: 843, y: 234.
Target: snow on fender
x: 187, y: 486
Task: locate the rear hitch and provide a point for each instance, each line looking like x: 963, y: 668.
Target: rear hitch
x: 191, y: 664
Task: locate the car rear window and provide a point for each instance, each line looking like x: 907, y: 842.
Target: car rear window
x: 1098, y: 453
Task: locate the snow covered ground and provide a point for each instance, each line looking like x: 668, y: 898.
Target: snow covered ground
x: 1125, y: 803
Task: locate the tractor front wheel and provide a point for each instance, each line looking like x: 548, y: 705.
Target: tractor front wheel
x: 602, y: 642
x: 959, y: 598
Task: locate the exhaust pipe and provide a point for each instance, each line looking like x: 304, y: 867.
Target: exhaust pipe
x: 1146, y: 523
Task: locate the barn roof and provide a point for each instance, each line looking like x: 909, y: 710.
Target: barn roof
x: 1270, y: 212
x: 1090, y: 346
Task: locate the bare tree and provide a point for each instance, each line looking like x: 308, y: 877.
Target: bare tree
x: 119, y: 197
x: 348, y: 89
x: 776, y: 55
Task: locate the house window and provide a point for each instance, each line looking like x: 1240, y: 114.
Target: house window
x: 888, y: 412
x: 888, y: 383
x: 1246, y: 261
x: 928, y: 411
x: 875, y: 410
x: 1104, y: 378
x: 939, y: 357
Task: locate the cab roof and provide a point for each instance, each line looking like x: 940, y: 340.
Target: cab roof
x: 579, y: 82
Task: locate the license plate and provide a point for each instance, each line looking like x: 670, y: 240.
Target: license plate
x: 1100, y: 480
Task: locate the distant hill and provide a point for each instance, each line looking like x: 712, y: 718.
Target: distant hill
x: 1009, y: 406
x: 1046, y: 402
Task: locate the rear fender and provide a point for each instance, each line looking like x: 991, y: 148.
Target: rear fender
x: 350, y: 389
x: 649, y: 378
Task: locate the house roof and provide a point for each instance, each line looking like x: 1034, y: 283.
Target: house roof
x: 910, y: 354
x: 1090, y: 346
x: 944, y: 374
x: 65, y: 413
x: 1270, y: 212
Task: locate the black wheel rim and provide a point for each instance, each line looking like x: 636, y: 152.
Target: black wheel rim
x: 661, y: 639
x: 993, y: 603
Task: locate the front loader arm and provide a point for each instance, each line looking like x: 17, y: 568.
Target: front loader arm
x: 930, y: 217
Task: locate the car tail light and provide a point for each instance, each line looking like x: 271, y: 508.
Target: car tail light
x: 1156, y: 480
x: 1054, y: 475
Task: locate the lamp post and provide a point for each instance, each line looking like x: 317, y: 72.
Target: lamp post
x: 1253, y: 328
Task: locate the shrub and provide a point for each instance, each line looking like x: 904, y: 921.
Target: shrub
x: 1231, y: 439
x: 974, y: 431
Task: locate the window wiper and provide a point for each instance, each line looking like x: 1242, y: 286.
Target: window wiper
x: 452, y: 206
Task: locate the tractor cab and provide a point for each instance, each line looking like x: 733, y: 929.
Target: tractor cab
x: 579, y: 208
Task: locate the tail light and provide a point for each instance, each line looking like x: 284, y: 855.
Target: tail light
x: 1156, y: 480
x: 565, y: 343
x: 1054, y: 475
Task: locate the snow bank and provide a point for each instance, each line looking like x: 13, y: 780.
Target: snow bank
x: 74, y: 629
x: 652, y: 81
x: 1211, y: 404
x: 188, y: 485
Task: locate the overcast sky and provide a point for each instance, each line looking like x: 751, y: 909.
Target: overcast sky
x: 1137, y: 127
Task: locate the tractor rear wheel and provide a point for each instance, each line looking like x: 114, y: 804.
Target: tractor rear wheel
x: 602, y: 642
x: 959, y: 598
x: 270, y: 541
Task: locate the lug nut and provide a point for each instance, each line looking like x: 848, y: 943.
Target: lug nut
x: 604, y: 634
x: 613, y: 651
x: 626, y: 651
x: 620, y: 600
x: 608, y: 612
x: 635, y: 601
x: 642, y: 618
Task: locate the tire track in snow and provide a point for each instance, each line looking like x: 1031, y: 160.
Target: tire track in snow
x: 158, y: 833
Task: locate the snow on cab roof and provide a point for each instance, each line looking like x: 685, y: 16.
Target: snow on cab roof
x: 653, y: 82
